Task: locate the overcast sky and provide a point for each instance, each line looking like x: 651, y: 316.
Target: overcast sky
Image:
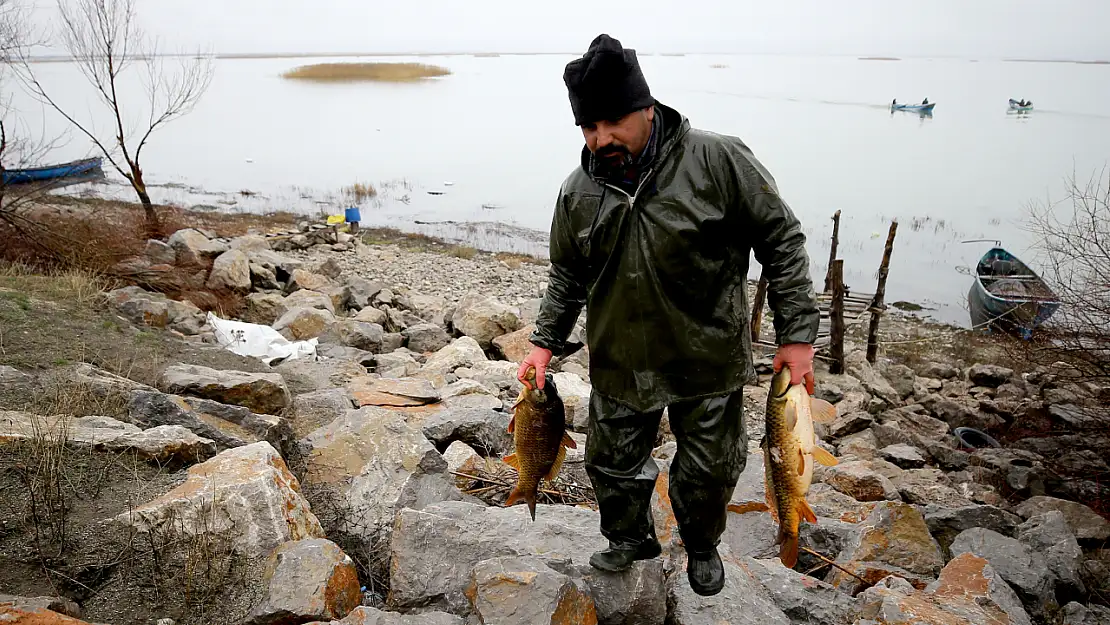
x: 962, y: 28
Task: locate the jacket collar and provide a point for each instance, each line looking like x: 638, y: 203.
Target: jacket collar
x: 671, y: 127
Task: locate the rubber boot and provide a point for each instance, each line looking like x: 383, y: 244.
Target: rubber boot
x: 706, y: 572
x: 619, y: 557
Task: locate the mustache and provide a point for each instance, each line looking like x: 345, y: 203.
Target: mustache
x: 614, y: 150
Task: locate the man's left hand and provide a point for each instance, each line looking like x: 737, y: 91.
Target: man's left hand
x: 799, y: 357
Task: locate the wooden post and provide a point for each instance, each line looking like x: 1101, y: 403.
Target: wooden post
x: 832, y: 252
x: 877, y: 305
x: 836, y: 318
x: 757, y: 307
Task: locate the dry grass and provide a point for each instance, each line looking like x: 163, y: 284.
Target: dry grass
x: 361, y: 191
x: 354, y: 72
x: 462, y: 251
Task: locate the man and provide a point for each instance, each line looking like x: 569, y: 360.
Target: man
x: 652, y: 232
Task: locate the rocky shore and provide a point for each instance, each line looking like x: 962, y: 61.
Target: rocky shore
x: 327, y: 489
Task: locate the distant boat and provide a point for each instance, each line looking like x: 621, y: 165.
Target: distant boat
x: 50, y: 172
x: 1016, y: 105
x: 1009, y: 295
x: 917, y: 108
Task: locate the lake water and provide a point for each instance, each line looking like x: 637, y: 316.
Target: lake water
x: 486, y: 148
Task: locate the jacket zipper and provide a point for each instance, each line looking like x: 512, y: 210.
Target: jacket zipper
x: 640, y: 187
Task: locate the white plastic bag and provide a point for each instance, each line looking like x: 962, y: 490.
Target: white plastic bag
x: 259, y: 341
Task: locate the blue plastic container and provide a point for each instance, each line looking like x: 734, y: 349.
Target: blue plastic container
x: 353, y: 215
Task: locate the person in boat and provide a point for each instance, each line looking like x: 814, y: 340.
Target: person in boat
x: 925, y: 102
x: 1021, y: 102
x: 894, y: 102
x: 651, y: 233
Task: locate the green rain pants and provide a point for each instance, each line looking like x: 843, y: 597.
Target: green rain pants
x: 712, y: 452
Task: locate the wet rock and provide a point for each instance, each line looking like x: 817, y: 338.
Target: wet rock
x: 319, y: 408
x: 369, y: 391
x: 301, y: 324
x: 264, y: 393
x: 850, y: 423
x: 1049, y: 535
x: 166, y: 445
x: 422, y: 578
x: 947, y: 523
x: 863, y: 445
x: 301, y: 279
x: 1077, y: 614
x: 990, y: 376
x: 374, y: 463
x: 523, y: 590
x: 859, y: 480
x: 483, y: 318
x: 1085, y: 523
x: 462, y: 352
x: 904, y: 456
x: 426, y: 337
x: 229, y: 426
x: 152, y: 309
x: 193, y: 248
x: 1025, y: 570
x: 486, y: 430
x: 307, y: 579
x: 743, y: 601
x: 351, y: 333
x: 372, y: 616
x: 943, y: 371
x: 244, y: 495
x: 576, y: 399
x: 231, y: 270
x: 802, y: 598
x: 892, y: 540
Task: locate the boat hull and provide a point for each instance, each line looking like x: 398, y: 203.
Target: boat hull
x: 1014, y: 106
x: 917, y: 108
x: 1015, y: 300
x: 62, y: 170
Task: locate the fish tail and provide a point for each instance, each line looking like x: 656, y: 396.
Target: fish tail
x: 519, y: 494
x: 788, y: 552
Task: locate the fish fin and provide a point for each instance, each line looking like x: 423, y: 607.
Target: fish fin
x: 824, y: 457
x: 568, y: 441
x: 517, y: 495
x: 744, y: 508
x: 788, y: 552
x: 821, y: 411
x: 806, y: 511
x: 512, y: 461
x: 801, y: 461
x: 512, y: 424
x: 554, y: 472
x: 769, y: 496
x: 790, y: 412
x: 519, y: 399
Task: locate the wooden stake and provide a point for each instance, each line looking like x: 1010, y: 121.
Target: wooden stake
x: 757, y: 307
x: 832, y: 252
x: 877, y: 305
x: 836, y: 318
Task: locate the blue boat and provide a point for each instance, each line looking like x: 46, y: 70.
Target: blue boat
x: 917, y: 108
x: 1008, y: 295
x: 1016, y: 105
x: 50, y: 172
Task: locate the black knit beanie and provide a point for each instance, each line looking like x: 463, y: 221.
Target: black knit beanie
x: 606, y: 83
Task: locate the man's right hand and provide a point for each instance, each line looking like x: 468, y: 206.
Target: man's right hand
x: 538, y: 358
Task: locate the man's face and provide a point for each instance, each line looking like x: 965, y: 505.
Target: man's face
x: 611, y: 141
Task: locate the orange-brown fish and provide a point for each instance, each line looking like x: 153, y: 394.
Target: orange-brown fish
x: 539, y: 431
x: 789, y: 450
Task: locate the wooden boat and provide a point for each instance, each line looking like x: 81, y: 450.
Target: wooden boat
x: 917, y: 108
x: 1007, y: 294
x: 50, y: 172
x: 1015, y: 105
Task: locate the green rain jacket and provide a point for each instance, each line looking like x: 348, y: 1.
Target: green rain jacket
x: 663, y: 272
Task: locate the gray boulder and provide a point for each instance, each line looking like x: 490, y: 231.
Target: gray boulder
x: 304, y: 580
x: 232, y: 271
x: 1023, y: 568
x: 1049, y: 535
x: 513, y: 590
x: 484, y: 430
x: 229, y: 426
x: 264, y: 393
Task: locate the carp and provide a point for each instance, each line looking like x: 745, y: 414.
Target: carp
x: 538, y: 426
x: 789, y: 450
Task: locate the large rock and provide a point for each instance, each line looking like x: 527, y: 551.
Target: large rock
x: 513, y: 590
x: 264, y: 393
x: 374, y: 463
x: 990, y: 376
x: 373, y: 616
x: 850, y: 423
x: 152, y: 309
x: 228, y: 426
x: 743, y: 601
x: 304, y: 580
x: 426, y: 337
x: 968, y: 592
x: 893, y: 540
x: 928, y: 486
x: 947, y: 523
x: 872, y: 381
x: 962, y: 412
x: 397, y: 392
x: 314, y: 410
x: 862, y: 445
x: 1075, y: 613
x: 904, y: 456
x: 231, y: 270
x: 859, y: 480
x: 302, y: 279
x: 264, y: 308
x: 1023, y: 568
x: 192, y: 247
x: 351, y: 333
x: 360, y: 292
x: 802, y: 598
x: 901, y: 378
x: 1049, y: 535
x: 575, y: 393
x: 307, y: 299
x: 170, y: 445
x: 514, y: 346
x: 245, y: 495
x: 302, y: 324
x: 421, y: 577
x: 1084, y: 522
x: 484, y: 430
x: 33, y: 614
x: 483, y: 318
x: 462, y: 352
